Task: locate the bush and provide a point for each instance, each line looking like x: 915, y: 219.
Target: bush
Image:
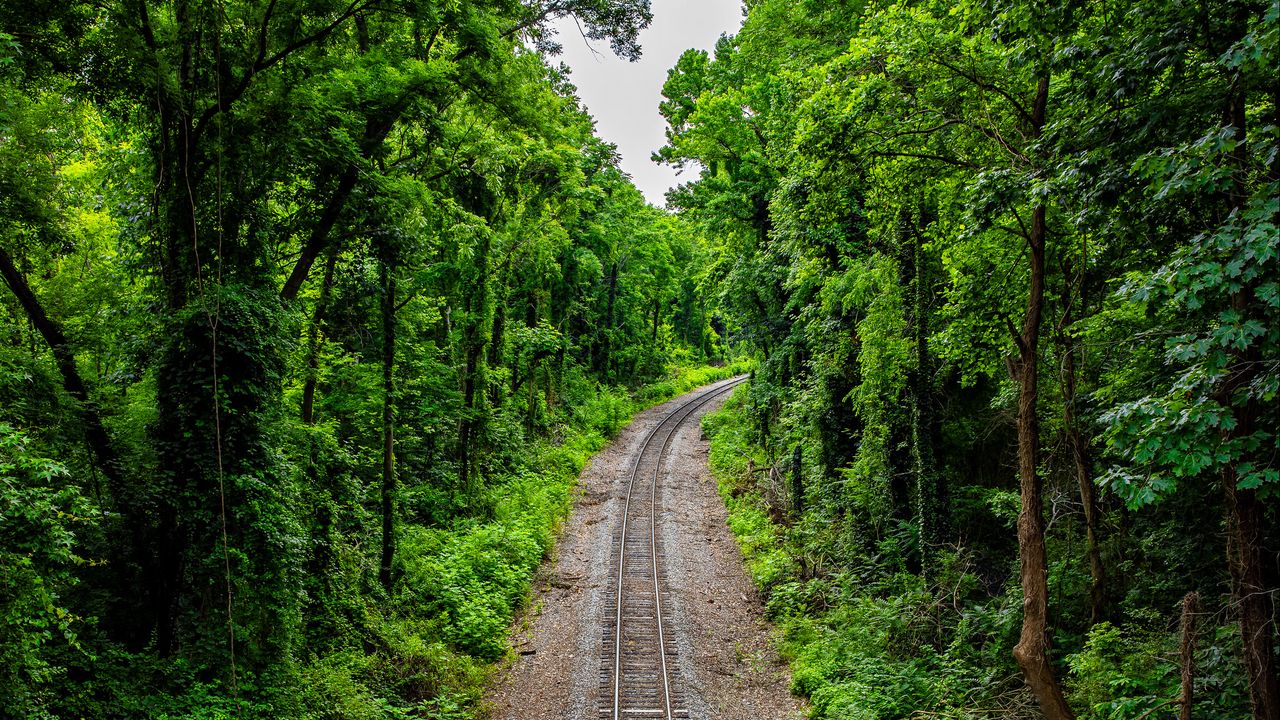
x: 1130, y: 671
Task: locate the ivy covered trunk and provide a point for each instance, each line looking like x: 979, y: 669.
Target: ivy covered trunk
x: 473, y: 342
x: 223, y: 573
x: 931, y: 512
x: 388, y: 490
x: 228, y: 537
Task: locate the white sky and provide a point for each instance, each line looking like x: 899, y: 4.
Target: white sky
x: 623, y: 97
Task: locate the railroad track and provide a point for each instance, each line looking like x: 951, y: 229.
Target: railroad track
x: 638, y: 678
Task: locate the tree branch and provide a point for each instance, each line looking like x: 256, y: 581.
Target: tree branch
x: 264, y: 63
x: 973, y: 78
x: 51, y: 330
x: 927, y: 156
x: 144, y: 23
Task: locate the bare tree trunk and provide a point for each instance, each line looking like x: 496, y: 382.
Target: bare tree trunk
x: 1253, y: 596
x: 1190, y: 606
x: 1032, y: 650
x: 1088, y: 495
x: 1081, y: 458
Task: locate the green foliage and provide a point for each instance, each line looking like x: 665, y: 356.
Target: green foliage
x: 679, y: 380
x: 480, y: 576
x: 606, y: 410
x: 40, y: 516
x: 878, y: 180
x: 1122, y: 675
x: 759, y: 539
x: 321, y: 307
x: 326, y: 317
x: 864, y: 640
x: 1225, y: 279
x: 1131, y: 673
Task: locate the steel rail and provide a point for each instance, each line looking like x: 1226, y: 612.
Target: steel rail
x: 680, y: 414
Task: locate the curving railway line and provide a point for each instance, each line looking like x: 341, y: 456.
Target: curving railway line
x: 638, y: 677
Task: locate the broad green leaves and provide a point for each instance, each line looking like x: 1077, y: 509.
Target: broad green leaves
x: 1189, y: 428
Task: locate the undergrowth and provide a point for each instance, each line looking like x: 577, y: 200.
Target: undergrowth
x: 428, y: 648
x: 462, y: 585
x: 869, y: 637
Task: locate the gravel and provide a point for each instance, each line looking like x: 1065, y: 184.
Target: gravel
x: 725, y: 656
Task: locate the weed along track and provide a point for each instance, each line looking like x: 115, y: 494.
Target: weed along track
x: 638, y: 677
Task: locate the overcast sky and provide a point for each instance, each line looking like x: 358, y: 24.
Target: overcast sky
x: 623, y: 97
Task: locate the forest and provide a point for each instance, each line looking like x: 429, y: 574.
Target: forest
x: 313, y: 311
x: 1011, y: 270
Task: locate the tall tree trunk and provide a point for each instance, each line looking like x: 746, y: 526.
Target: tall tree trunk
x: 498, y: 330
x: 1032, y: 650
x: 466, y: 432
x: 465, y: 427
x: 1247, y: 557
x: 1187, y: 653
x: 388, y: 422
x: 473, y: 353
x: 604, y: 345
x: 163, y: 573
x: 496, y: 336
x: 313, y: 342
x: 531, y: 402
x: 704, y: 339
x: 95, y: 432
x: 1253, y: 594
x: 1088, y: 495
x: 1080, y: 454
x: 797, y: 482
x: 322, y: 541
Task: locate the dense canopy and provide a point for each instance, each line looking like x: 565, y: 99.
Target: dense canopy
x: 1012, y: 268
x: 313, y: 310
